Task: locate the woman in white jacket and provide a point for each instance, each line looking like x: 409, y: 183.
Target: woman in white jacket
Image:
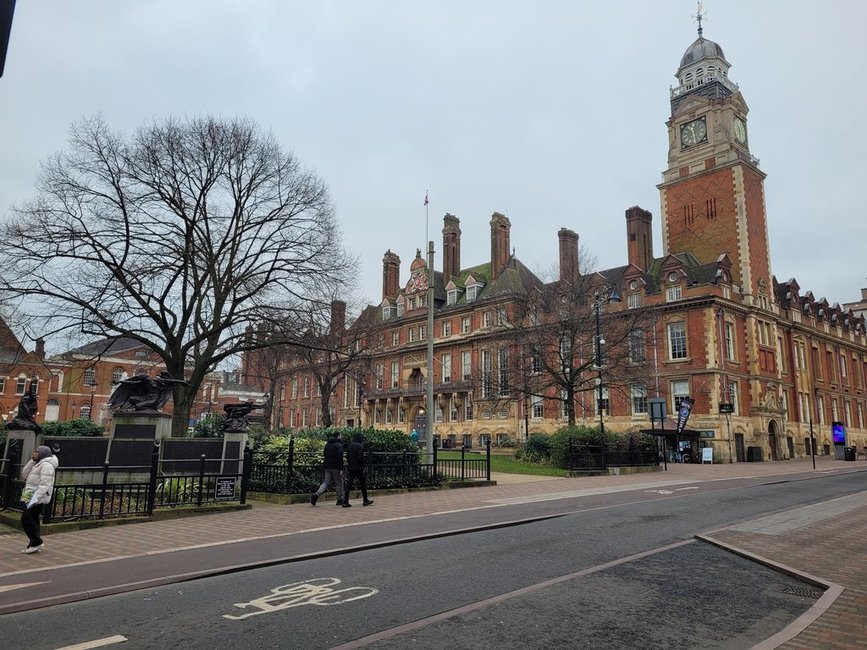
x: 38, y: 475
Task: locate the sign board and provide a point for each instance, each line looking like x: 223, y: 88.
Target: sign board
x: 707, y: 434
x: 224, y: 488
x: 657, y: 409
x: 838, y: 433
x: 726, y: 407
x: 707, y: 455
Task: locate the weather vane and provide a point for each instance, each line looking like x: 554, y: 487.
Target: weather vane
x: 698, y: 16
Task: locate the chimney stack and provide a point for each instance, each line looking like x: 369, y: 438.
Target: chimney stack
x: 40, y: 348
x: 338, y: 317
x: 568, y: 255
x: 639, y: 237
x: 390, y: 274
x: 500, y: 246
x: 451, y: 247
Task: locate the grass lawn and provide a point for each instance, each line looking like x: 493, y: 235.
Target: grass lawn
x: 506, y: 464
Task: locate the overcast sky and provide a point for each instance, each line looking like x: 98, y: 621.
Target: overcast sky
x: 550, y: 112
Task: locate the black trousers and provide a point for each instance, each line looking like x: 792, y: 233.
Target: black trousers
x: 30, y: 523
x: 362, y: 483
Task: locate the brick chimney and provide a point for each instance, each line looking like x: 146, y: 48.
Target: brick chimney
x: 338, y: 317
x: 500, y: 246
x: 568, y: 255
x: 451, y: 247
x: 40, y: 348
x: 639, y: 237
x: 390, y: 274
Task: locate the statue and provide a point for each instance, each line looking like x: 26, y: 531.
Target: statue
x: 143, y: 393
x: 236, y: 416
x: 25, y: 420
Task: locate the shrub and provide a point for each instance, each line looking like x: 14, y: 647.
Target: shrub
x: 537, y: 449
x: 210, y: 426
x: 81, y: 427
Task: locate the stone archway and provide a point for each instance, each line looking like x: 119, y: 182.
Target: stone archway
x: 773, y: 442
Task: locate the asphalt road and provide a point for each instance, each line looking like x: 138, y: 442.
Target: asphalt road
x: 616, y: 571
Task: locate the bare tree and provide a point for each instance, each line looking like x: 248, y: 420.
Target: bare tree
x: 556, y: 325
x: 179, y: 236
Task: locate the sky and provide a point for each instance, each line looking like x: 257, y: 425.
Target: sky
x: 551, y: 112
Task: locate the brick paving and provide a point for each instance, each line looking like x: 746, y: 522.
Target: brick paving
x: 829, y: 547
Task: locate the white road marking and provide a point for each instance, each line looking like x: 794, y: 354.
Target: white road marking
x: 693, y: 487
x: 317, y: 591
x: 21, y: 586
x: 97, y: 643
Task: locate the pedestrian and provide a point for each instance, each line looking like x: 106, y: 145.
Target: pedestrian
x: 333, y: 463
x: 38, y: 476
x: 355, y: 469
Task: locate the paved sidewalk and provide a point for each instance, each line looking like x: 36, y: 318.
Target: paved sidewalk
x: 827, y: 547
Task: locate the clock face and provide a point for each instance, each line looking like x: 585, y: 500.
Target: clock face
x: 740, y: 130
x: 693, y: 132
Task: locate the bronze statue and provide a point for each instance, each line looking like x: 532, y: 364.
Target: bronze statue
x: 25, y: 420
x: 236, y: 416
x: 143, y: 393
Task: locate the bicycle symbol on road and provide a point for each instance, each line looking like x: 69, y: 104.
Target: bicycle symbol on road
x: 317, y: 591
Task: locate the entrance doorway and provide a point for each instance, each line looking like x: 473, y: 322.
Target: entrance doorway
x: 772, y: 440
x: 790, y: 443
x: 740, y: 448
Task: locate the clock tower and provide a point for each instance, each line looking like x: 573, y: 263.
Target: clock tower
x: 712, y: 196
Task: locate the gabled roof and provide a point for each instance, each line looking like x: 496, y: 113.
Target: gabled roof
x: 105, y: 347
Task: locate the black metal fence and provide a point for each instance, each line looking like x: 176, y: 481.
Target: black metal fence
x: 129, y: 491
x: 301, y: 472
x: 594, y: 457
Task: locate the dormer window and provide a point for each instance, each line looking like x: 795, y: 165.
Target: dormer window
x: 400, y: 309
x: 472, y: 292
x: 452, y: 297
x: 673, y: 293
x: 633, y: 300
x: 387, y: 312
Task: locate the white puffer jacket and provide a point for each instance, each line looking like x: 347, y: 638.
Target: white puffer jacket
x: 39, y: 477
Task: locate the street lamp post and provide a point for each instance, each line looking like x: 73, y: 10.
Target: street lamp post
x: 610, y: 295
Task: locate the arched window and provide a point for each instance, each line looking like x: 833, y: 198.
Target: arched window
x: 21, y: 384
x: 84, y: 413
x: 688, y: 77
x: 699, y: 72
x: 90, y: 377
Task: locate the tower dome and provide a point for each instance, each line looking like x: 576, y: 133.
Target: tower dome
x: 702, y: 48
x: 703, y: 70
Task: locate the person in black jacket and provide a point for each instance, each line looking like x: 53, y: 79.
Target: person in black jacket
x: 355, y: 468
x: 333, y: 457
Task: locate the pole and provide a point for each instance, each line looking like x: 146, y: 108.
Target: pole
x: 729, y: 427
x: 597, y: 305
x: 430, y: 345
x: 812, y: 443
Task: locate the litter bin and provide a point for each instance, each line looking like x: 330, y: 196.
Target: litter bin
x: 848, y: 453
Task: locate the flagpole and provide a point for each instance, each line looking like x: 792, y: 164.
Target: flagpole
x: 430, y: 337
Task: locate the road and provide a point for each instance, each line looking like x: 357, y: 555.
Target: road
x: 615, y: 570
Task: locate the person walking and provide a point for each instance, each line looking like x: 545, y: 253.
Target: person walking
x: 38, y: 476
x: 355, y: 469
x: 333, y: 463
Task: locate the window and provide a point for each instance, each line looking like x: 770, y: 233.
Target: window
x: 446, y: 362
x: 764, y: 330
x: 733, y: 397
x: 293, y: 392
x: 677, y: 340
x: 467, y: 440
x: 487, y: 375
x: 90, y: 377
x: 468, y: 408
x: 486, y: 319
x: 536, y: 363
x: 472, y: 292
x: 633, y: 301
x: 411, y: 334
x: 843, y: 370
x: 673, y: 293
x: 452, y: 297
x: 484, y: 439
x: 820, y: 408
x: 466, y: 365
x: 438, y: 413
x: 848, y: 410
x: 21, y: 384
x: 447, y: 328
x: 387, y: 312
x: 401, y: 416
x: 395, y: 374
x: 466, y: 327
x: 2, y: 385
x: 538, y: 410
x: 411, y: 304
x: 389, y: 416
x: 422, y: 332
x: 679, y: 391
x: 377, y: 416
x: 730, y: 341
x: 800, y: 356
x: 117, y: 375
x: 727, y: 292
x: 395, y: 338
x: 453, y: 409
x: 636, y: 346
x: 307, y: 387
x: 400, y: 309
x: 639, y: 400
x: 84, y: 414
x: 503, y: 367
x: 835, y: 414
x: 602, y: 404
x: 501, y: 316
x: 781, y: 356
x: 380, y: 371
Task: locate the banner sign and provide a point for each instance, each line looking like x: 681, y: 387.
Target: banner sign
x: 683, y: 413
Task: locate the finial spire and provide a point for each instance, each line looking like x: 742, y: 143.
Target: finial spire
x: 698, y: 16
